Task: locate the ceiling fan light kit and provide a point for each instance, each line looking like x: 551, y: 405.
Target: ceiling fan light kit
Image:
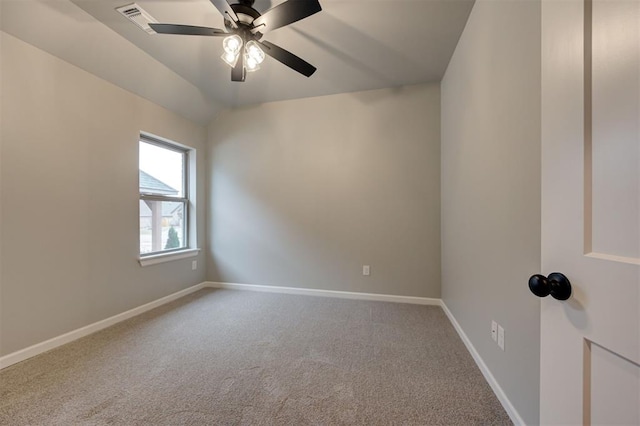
x: 245, y: 27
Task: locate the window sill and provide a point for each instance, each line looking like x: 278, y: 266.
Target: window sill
x: 154, y: 259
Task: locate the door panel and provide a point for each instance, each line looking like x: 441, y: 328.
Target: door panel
x: 615, y: 84
x: 613, y: 385
x: 591, y: 210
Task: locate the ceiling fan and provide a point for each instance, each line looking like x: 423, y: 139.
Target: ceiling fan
x: 245, y: 26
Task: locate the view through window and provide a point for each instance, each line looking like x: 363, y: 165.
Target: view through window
x: 163, y: 197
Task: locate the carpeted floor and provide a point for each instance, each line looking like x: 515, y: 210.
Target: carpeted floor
x: 239, y: 357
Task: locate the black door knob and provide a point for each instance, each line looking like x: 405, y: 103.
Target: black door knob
x: 556, y: 285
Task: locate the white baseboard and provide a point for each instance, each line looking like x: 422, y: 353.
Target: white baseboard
x: 47, y: 345
x: 502, y: 397
x: 327, y: 293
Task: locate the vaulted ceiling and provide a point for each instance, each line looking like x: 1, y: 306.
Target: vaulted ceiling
x: 355, y: 44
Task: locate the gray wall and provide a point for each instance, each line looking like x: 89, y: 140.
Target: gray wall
x: 302, y: 193
x: 491, y: 190
x: 305, y: 192
x: 69, y: 198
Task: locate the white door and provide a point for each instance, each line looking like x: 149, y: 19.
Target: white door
x: 590, y: 344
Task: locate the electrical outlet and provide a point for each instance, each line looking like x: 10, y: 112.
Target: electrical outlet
x: 494, y: 331
x: 501, y: 337
x: 366, y: 270
x: 194, y: 265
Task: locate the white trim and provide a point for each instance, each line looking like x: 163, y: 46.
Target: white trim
x: 502, y: 396
x: 55, y: 342
x: 165, y: 141
x: 47, y: 345
x: 327, y: 293
x: 154, y: 259
x: 614, y: 258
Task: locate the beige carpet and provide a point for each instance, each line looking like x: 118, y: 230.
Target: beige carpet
x: 236, y: 357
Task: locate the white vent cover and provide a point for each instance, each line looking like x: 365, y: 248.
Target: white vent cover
x: 138, y: 16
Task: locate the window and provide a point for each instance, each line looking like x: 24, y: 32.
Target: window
x: 164, y: 198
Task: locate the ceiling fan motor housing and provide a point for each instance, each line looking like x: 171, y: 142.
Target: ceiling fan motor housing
x: 246, y: 14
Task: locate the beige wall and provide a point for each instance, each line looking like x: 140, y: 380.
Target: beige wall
x: 69, y: 200
x: 491, y: 191
x: 305, y: 192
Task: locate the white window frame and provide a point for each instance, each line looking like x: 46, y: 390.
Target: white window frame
x: 165, y: 255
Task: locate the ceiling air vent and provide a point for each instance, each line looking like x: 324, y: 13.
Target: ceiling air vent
x: 138, y: 16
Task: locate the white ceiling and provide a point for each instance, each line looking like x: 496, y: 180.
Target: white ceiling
x: 355, y: 44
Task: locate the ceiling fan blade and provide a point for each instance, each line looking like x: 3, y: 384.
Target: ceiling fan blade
x: 187, y: 30
x: 225, y: 10
x: 286, y: 13
x: 238, y: 72
x: 287, y: 58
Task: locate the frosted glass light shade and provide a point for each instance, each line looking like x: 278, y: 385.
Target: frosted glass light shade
x: 253, y: 51
x: 232, y: 44
x: 230, y: 58
x: 250, y: 63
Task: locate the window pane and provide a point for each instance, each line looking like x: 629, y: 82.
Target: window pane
x: 162, y: 225
x: 161, y: 170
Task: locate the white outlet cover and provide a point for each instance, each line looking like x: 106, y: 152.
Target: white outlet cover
x: 366, y: 270
x: 194, y: 265
x: 501, y: 337
x: 494, y: 331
